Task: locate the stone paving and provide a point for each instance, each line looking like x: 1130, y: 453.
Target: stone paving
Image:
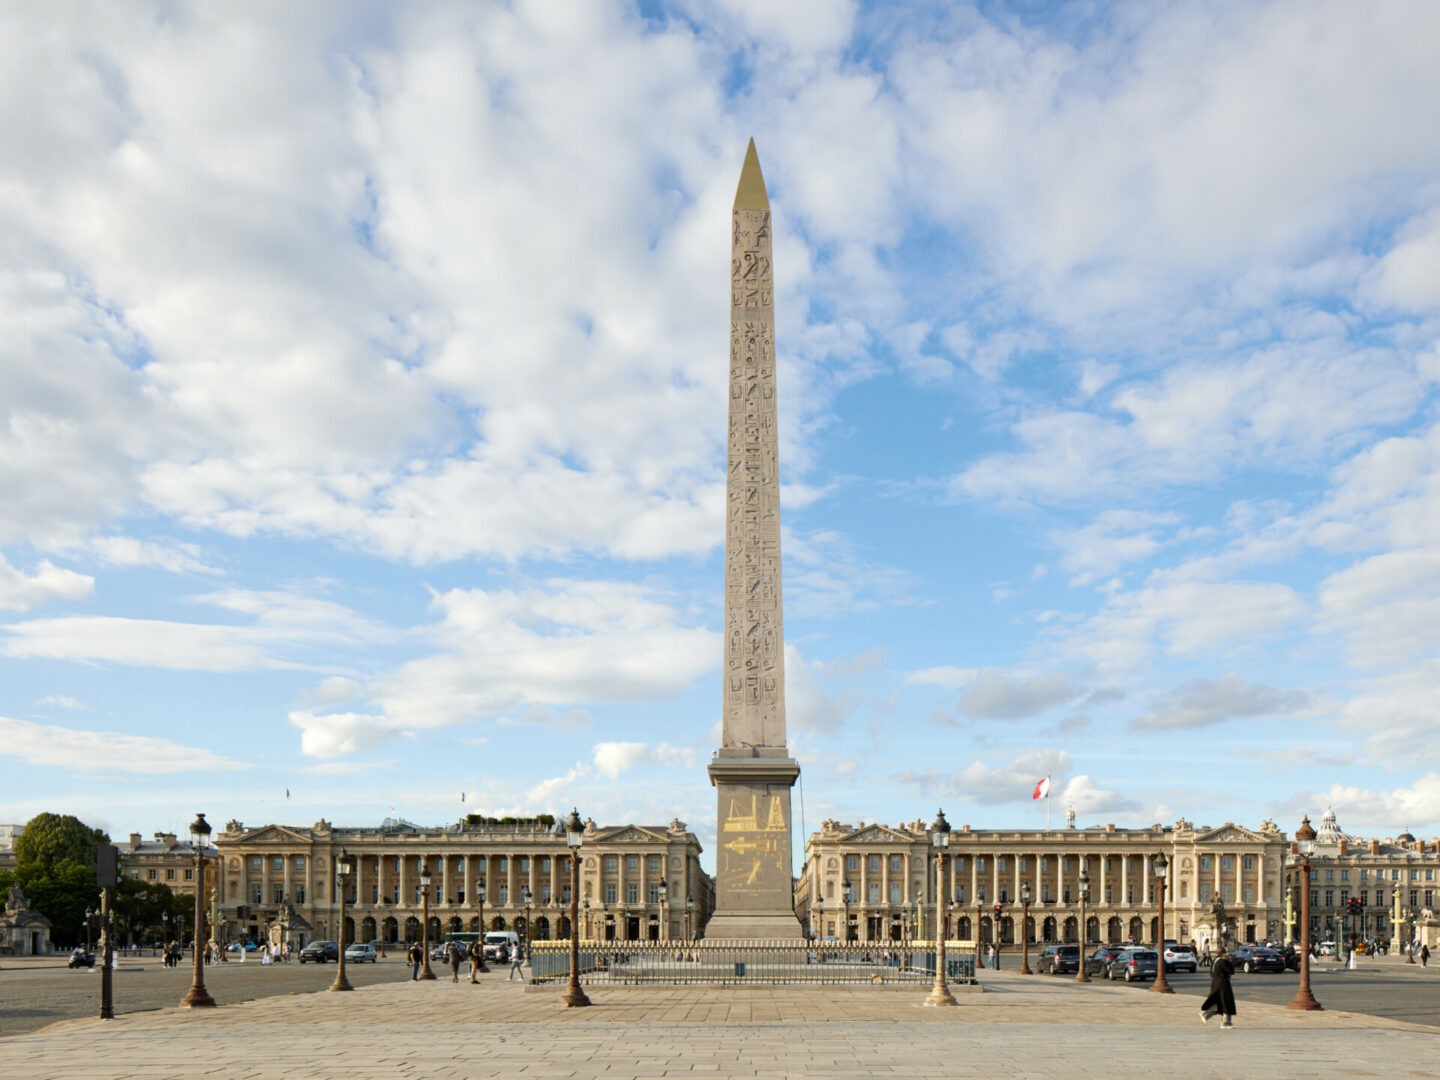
x: 1017, y: 1027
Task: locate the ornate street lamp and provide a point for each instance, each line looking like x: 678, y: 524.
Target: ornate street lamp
x: 343, y: 867
x: 574, y: 834
x: 689, y: 910
x: 664, y: 912
x: 588, y: 936
x: 198, y: 997
x: 1025, y: 929
x: 89, y: 915
x: 480, y: 899
x: 425, y: 972
x: 525, y: 945
x: 1082, y: 975
x: 940, y: 840
x: 1305, y: 844
x: 1162, y: 864
x: 845, y: 896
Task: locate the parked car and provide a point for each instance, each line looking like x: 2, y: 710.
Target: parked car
x: 1248, y: 958
x: 1180, y: 958
x: 1059, y: 960
x: 360, y: 953
x: 321, y: 952
x: 1098, y: 962
x: 1134, y: 965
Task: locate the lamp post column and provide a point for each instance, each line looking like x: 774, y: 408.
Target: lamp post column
x: 425, y: 972
x: 198, y: 997
x: 1305, y: 841
x: 1162, y: 865
x: 1025, y: 929
x: 1081, y: 975
x: 480, y: 898
x: 575, y: 996
x: 940, y: 840
x: 342, y: 881
x: 845, y: 934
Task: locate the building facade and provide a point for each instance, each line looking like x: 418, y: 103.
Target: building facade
x: 636, y: 882
x: 878, y: 883
x: 167, y: 860
x: 1395, y: 880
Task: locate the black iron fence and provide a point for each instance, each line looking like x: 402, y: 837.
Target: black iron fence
x: 739, y: 962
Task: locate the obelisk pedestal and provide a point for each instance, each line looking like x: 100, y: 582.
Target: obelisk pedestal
x: 753, y: 771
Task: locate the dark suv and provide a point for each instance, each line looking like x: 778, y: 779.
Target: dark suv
x: 321, y: 952
x: 1098, y: 962
x: 1059, y: 960
x: 1250, y: 958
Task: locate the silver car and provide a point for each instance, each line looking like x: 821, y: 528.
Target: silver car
x: 360, y: 953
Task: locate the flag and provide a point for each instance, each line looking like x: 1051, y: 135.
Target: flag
x: 462, y: 796
x: 1042, y: 789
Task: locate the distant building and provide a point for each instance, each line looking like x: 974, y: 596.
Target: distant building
x: 167, y: 860
x: 622, y: 870
x: 8, y: 835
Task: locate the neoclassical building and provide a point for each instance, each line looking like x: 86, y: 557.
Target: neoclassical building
x: 636, y: 882
x: 1394, y: 879
x: 880, y: 882
x: 167, y: 860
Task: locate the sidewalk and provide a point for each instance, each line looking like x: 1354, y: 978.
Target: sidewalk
x: 1018, y: 1026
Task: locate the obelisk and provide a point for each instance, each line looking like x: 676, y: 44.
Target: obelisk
x: 753, y: 771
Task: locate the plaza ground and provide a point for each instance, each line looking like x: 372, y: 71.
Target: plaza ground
x: 1033, y: 1026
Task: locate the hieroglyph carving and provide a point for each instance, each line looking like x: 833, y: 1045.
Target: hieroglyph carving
x: 754, y: 640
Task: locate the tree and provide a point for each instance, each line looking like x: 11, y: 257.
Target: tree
x: 55, y: 866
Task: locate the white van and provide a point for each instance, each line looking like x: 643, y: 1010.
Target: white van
x: 495, y: 940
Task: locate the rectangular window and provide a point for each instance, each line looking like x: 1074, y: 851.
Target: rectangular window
x: 1430, y: 899
x: 1249, y: 862
x: 502, y: 864
x: 504, y: 894
x: 1329, y: 875
x: 852, y: 862
x: 654, y: 894
x: 277, y: 862
x: 654, y: 863
x: 1205, y: 892
x: 189, y: 874
x: 873, y: 892
x: 1227, y: 892
x: 1000, y: 864
x: 896, y: 863
x: 545, y: 894
x: 1344, y: 875
x: 632, y: 892
x: 1249, y: 894
x: 632, y: 864
x: 565, y: 894
x: 1329, y: 897
x: 612, y: 863
x: 169, y: 874
x: 610, y: 892
x: 1344, y: 897
x: 524, y: 861
x: 299, y: 894
x: 277, y: 893
x: 299, y: 862
x: 980, y: 864
x: 1414, y: 897
x: 255, y: 863
x: 1024, y: 863
x: 1314, y: 898
x: 544, y: 864
x: 255, y: 896
x: 153, y: 874
x: 872, y: 863
x: 1414, y: 875
x: 1204, y: 862
x: 895, y: 897
x: 1364, y: 875
x: 1226, y: 862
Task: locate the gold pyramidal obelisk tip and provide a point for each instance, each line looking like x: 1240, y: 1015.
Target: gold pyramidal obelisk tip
x: 750, y: 195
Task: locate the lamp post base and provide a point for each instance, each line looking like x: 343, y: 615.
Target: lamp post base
x: 575, y: 997
x: 425, y: 972
x: 1304, y: 1001
x: 341, y: 982
x: 197, y: 998
x: 940, y: 995
x: 1161, y: 986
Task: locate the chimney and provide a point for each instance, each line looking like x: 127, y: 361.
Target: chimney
x: 1420, y: 846
x: 1344, y: 846
x: 134, y: 840
x: 1374, y: 847
x: 1110, y: 827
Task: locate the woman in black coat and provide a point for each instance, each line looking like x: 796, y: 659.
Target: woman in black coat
x: 1221, y: 1001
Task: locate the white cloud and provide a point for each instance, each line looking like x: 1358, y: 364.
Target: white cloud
x: 614, y: 759
x: 20, y: 591
x: 1360, y: 807
x: 987, y: 785
x: 99, y: 752
x: 1113, y: 540
x: 810, y: 704
x: 1089, y: 799
x: 1205, y: 702
x: 995, y: 696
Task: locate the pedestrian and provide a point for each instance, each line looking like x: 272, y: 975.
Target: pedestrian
x: 515, y: 962
x: 1424, y: 955
x: 477, y: 953
x: 994, y: 958
x: 415, y: 958
x: 1221, y: 1001
x: 452, y: 953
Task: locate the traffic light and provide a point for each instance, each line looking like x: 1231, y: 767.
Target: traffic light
x: 1356, y: 907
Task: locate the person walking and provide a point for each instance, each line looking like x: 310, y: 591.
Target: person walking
x: 1424, y: 955
x: 515, y: 961
x: 452, y: 953
x: 477, y: 952
x: 415, y: 957
x: 1221, y: 1001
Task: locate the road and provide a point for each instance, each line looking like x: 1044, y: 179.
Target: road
x: 1385, y: 986
x: 34, y: 993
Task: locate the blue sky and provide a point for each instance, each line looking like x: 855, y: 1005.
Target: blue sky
x: 363, y: 377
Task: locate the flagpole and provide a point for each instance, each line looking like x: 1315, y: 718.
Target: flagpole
x: 1047, y: 803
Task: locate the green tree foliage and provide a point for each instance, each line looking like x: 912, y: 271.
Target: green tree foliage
x: 138, y: 909
x: 55, y: 866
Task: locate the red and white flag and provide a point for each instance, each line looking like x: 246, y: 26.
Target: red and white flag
x: 1042, y: 789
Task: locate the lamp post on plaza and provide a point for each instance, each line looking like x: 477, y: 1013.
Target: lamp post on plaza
x: 575, y: 833
x: 587, y: 919
x: 1025, y: 929
x: 999, y: 937
x: 845, y: 897
x: 343, y: 867
x: 1162, y: 865
x: 198, y: 997
x: 1305, y: 844
x: 1081, y: 975
x: 979, y: 953
x: 525, y: 944
x: 689, y: 910
x: 940, y: 841
x: 425, y: 972
x: 89, y: 915
x: 664, y: 914
x: 480, y: 899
